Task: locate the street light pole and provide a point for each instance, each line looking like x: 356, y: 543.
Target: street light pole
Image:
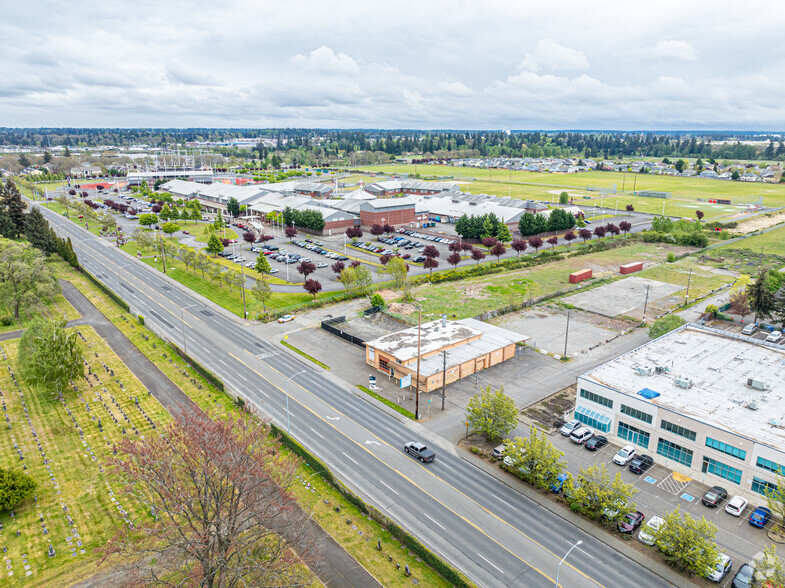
x: 558, y: 569
x: 417, y: 386
x: 182, y: 326
x: 286, y: 388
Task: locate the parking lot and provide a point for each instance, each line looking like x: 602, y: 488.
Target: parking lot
x: 661, y: 491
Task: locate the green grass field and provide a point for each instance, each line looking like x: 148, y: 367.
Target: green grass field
x: 59, y: 307
x: 685, y: 191
x: 473, y: 296
x: 75, y: 482
x: 772, y: 243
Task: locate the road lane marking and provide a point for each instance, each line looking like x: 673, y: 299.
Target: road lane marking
x: 505, y: 502
x: 349, y: 458
x: 385, y: 485
x: 241, y: 376
x: 434, y: 522
x: 316, y: 433
x: 94, y: 255
x: 491, y: 563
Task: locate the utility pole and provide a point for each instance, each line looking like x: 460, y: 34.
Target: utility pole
x: 417, y: 384
x: 687, y: 295
x: 444, y: 376
x: 646, y: 303
x: 566, y: 332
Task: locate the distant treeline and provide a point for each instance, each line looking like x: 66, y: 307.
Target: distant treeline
x: 315, y: 146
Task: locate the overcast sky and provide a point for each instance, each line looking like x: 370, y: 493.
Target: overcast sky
x: 430, y: 64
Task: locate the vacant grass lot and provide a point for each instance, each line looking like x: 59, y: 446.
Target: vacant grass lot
x: 473, y: 296
x: 74, y: 482
x: 701, y: 282
x: 685, y: 191
x: 772, y: 243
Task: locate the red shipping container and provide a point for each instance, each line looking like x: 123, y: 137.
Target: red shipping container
x: 576, y: 277
x: 629, y: 268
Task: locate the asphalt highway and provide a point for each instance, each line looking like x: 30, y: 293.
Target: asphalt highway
x: 496, y: 536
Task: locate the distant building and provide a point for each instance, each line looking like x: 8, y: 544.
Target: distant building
x: 703, y: 402
x: 86, y: 171
x: 471, y: 346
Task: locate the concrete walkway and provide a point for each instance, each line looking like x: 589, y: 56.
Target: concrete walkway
x: 335, y: 568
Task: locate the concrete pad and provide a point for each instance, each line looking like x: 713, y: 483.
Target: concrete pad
x: 622, y: 296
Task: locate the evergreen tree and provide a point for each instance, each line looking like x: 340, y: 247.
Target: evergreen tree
x: 540, y: 224
x: 233, y: 206
x: 38, y: 233
x: 503, y: 233
x: 526, y: 224
x: 762, y: 300
x: 14, y: 208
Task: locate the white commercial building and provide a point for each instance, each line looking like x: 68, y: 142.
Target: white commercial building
x: 705, y: 403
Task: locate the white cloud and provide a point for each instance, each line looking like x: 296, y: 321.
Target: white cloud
x: 325, y: 61
x: 675, y: 50
x: 550, y: 55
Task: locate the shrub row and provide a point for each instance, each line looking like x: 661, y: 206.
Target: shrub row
x: 445, y: 570
x: 98, y: 284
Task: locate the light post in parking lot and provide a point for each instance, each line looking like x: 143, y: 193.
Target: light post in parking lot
x: 558, y: 569
x: 286, y: 389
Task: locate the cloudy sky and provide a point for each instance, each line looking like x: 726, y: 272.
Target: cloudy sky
x: 431, y: 64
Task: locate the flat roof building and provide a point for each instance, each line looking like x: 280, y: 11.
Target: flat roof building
x: 706, y: 403
x: 471, y: 346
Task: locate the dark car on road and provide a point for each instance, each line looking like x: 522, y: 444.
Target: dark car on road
x: 596, y: 442
x: 419, y: 259
x: 631, y: 521
x: 420, y: 451
x: 641, y: 463
x: 760, y: 516
x: 714, y: 496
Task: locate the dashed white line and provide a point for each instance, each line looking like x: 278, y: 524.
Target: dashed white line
x: 349, y: 458
x: 434, y: 522
x: 386, y: 486
x: 223, y: 362
x: 241, y: 376
x: 448, y: 467
x: 317, y: 434
x: 490, y: 562
x: 507, y: 503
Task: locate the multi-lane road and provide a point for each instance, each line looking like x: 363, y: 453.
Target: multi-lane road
x: 496, y: 536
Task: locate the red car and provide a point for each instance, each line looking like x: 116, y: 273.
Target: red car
x: 631, y: 521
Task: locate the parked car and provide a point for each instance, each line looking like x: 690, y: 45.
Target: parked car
x: 774, y: 336
x: 760, y: 516
x: 596, y: 442
x: 750, y: 329
x: 641, y: 463
x: 321, y: 264
x: 420, y: 451
x: 419, y: 259
x: 569, y: 427
x: 624, y: 455
x: 743, y: 578
x: 286, y: 318
x: 646, y: 534
x: 736, y: 506
x: 498, y: 451
x: 557, y: 486
x: 581, y: 435
x: 720, y: 569
x: 714, y: 496
x: 273, y: 270
x: 631, y: 521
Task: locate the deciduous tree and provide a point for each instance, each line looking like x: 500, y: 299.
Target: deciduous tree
x: 569, y: 236
x: 585, y: 234
x: 625, y: 227
x: 233, y: 206
x: 535, y: 243
x: 553, y: 241
x: 25, y: 278
x: 665, y: 325
x: 594, y: 494
x: 688, y: 543
x: 454, y: 258
x: 290, y: 233
x: 262, y: 292
x: 337, y: 267
x: 431, y: 264
x: 492, y: 413
x: 498, y: 250
x: 49, y: 355
x: 306, y: 268
x: 377, y: 230
x: 313, y: 287
x: 599, y: 231
x: 224, y: 515
x: 534, y: 459
x: 519, y: 245
x: 262, y: 265
x: 477, y: 256
x: 430, y: 251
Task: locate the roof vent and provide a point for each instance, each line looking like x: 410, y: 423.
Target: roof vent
x: 643, y: 370
x: 684, y: 383
x: 758, y: 385
x: 662, y: 369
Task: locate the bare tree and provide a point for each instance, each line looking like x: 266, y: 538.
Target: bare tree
x: 219, y: 494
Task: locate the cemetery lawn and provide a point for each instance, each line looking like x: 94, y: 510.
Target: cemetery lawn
x: 72, y: 483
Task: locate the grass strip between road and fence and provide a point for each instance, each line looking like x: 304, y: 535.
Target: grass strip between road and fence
x: 305, y: 355
x: 98, y: 284
x: 390, y: 403
x: 445, y: 570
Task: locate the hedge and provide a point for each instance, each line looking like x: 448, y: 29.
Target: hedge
x: 122, y: 303
x: 445, y: 570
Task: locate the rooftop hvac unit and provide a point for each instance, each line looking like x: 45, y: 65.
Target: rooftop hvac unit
x: 758, y: 385
x: 643, y: 370
x: 685, y: 383
x: 662, y: 369
x: 752, y: 405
